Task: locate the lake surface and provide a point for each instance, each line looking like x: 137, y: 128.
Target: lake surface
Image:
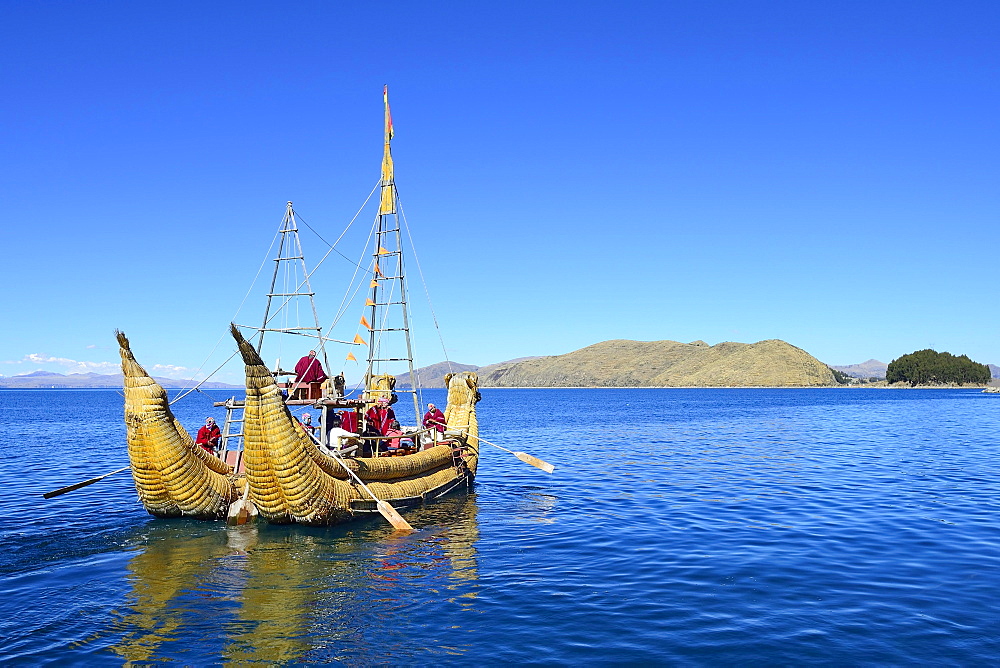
x: 681, y: 526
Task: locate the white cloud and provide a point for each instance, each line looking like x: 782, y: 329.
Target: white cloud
x: 171, y: 371
x: 65, y: 365
x: 72, y: 366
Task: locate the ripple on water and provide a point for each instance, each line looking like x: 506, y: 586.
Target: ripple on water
x: 712, y: 527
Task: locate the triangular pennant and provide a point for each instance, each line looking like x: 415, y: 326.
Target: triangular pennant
x: 364, y: 321
x: 378, y: 270
x: 374, y: 283
x: 351, y: 357
x: 369, y: 302
x: 382, y: 251
x: 358, y: 340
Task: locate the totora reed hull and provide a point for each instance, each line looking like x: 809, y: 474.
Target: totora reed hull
x: 287, y: 478
x: 291, y: 481
x: 284, y: 471
x: 173, y: 476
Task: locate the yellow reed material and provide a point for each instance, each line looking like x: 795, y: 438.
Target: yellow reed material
x: 292, y: 481
x: 173, y: 476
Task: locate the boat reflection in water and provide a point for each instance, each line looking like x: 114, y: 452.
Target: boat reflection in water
x: 276, y: 594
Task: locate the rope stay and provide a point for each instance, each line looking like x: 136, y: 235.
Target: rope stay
x: 427, y: 294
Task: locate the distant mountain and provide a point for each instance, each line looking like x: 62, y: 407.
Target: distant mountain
x: 490, y: 368
x: 621, y: 363
x: 869, y: 369
x: 433, y: 375
x: 994, y: 370
x: 47, y: 379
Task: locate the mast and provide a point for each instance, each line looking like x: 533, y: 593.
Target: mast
x: 290, y: 261
x: 388, y: 286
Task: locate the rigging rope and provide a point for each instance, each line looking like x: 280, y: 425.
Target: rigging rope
x: 186, y: 392
x: 423, y: 282
x: 246, y: 296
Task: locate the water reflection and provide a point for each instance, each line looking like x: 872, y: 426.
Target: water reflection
x: 285, y: 594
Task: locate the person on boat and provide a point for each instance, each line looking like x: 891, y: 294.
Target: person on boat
x: 380, y: 416
x: 209, y: 435
x: 337, y: 437
x: 308, y: 370
x: 396, y: 433
x: 307, y: 424
x: 348, y: 420
x: 377, y: 421
x: 434, y: 418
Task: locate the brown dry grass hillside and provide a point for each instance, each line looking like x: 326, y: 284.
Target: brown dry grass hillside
x: 621, y: 363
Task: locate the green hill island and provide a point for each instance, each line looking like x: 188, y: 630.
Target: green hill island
x: 622, y: 363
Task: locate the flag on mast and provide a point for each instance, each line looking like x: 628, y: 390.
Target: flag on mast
x: 389, y: 134
x: 388, y: 201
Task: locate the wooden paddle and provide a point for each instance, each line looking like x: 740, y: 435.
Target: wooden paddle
x: 241, y: 510
x: 70, y: 488
x: 523, y: 456
x: 388, y: 512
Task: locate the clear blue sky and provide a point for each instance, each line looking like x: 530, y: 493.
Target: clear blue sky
x: 822, y: 173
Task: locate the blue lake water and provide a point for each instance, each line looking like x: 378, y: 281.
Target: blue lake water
x: 681, y: 526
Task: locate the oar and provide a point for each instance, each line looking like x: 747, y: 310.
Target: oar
x: 523, y: 456
x: 70, y: 488
x: 388, y: 512
x: 239, y: 511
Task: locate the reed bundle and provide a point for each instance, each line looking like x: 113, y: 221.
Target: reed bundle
x: 292, y: 481
x: 173, y: 476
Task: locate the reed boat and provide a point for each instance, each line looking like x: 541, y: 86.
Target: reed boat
x: 271, y: 466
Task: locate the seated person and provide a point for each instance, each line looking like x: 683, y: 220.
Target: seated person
x: 337, y: 437
x: 370, y: 444
x: 393, y: 443
x: 307, y: 424
x: 209, y: 435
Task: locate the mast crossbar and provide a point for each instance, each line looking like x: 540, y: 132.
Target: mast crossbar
x: 288, y: 329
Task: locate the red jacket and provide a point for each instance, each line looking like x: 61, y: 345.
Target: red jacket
x: 309, y: 370
x: 380, y: 418
x: 208, y: 437
x: 434, y: 419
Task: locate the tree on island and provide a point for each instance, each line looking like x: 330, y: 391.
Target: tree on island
x: 929, y: 367
x: 839, y: 376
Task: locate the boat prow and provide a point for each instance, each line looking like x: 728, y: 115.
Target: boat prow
x: 173, y: 476
x: 291, y: 481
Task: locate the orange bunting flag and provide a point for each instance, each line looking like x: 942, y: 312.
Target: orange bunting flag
x: 382, y: 251
x: 364, y: 321
x: 369, y: 302
x: 359, y: 340
x: 351, y: 357
x: 378, y: 270
x: 374, y: 283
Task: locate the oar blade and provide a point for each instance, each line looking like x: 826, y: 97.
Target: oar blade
x: 535, y: 461
x: 70, y: 488
x: 395, y: 519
